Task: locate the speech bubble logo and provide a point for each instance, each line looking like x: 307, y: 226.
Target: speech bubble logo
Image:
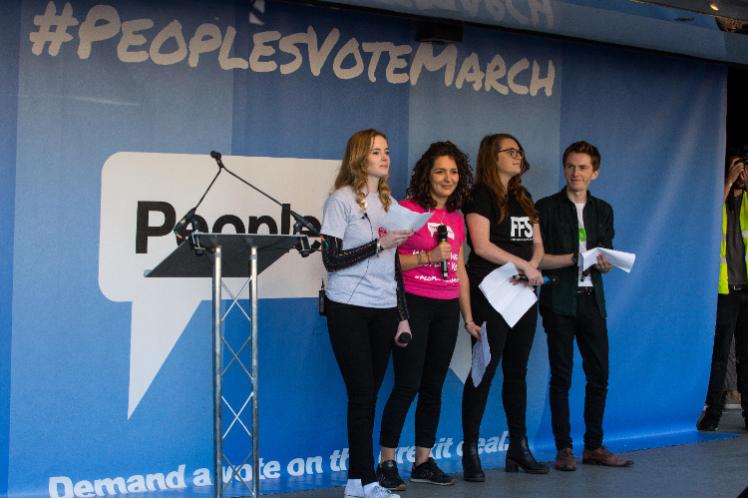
x: 142, y: 194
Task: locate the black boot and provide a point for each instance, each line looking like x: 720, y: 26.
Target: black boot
x: 519, y: 456
x: 472, y: 470
x: 709, y: 420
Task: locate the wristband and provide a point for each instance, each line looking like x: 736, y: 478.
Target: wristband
x: 575, y: 259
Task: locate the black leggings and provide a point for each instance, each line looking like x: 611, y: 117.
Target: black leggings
x: 361, y: 340
x: 420, y: 369
x: 514, y: 345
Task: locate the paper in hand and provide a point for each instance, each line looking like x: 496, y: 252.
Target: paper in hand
x: 508, y: 299
x: 621, y: 259
x: 399, y: 218
x: 481, y: 357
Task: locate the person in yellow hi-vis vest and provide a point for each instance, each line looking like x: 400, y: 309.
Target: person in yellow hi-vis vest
x: 732, y: 300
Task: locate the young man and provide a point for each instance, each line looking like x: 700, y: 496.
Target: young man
x: 573, y: 221
x: 732, y: 298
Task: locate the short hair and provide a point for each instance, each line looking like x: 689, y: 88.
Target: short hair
x: 584, y: 147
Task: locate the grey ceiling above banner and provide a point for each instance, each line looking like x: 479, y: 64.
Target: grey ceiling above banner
x: 688, y: 27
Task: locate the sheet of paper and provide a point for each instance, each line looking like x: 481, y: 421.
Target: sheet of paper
x: 481, y: 357
x: 508, y: 299
x: 399, y: 218
x: 621, y: 259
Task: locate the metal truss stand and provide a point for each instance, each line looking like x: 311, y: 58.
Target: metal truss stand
x: 219, y: 401
x: 230, y: 255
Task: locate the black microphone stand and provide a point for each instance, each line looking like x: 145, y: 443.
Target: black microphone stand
x: 180, y: 229
x: 300, y: 220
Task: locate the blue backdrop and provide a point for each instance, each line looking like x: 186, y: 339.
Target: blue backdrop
x: 295, y: 83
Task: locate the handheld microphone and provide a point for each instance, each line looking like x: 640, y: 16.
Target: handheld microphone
x: 405, y: 337
x: 441, y: 235
x: 546, y: 279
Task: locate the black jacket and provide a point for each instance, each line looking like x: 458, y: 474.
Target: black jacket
x: 560, y: 230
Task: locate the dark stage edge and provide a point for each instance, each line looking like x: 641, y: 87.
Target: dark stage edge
x: 712, y: 467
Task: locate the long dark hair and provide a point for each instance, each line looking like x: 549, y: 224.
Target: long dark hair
x: 419, y: 189
x: 487, y: 173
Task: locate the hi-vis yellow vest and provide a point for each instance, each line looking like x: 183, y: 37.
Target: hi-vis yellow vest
x: 723, y: 289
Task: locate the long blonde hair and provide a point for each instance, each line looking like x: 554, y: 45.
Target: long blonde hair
x: 353, y: 168
x: 487, y: 173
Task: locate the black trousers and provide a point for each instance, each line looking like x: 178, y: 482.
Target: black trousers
x: 732, y: 320
x: 591, y: 332
x: 420, y: 369
x: 511, y: 346
x: 361, y: 339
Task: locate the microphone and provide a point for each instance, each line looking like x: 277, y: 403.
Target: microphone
x: 217, y: 156
x: 405, y: 337
x: 180, y: 229
x: 441, y: 235
x: 546, y: 279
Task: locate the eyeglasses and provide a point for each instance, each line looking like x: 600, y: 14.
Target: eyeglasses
x: 513, y: 153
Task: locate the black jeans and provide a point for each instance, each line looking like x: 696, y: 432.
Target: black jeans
x: 512, y: 346
x: 420, y: 368
x: 361, y: 339
x: 732, y: 319
x: 591, y: 332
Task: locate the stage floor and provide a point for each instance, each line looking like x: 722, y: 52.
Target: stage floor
x: 708, y: 468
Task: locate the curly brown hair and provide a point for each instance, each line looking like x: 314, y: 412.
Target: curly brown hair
x: 419, y: 189
x: 353, y: 168
x: 487, y: 173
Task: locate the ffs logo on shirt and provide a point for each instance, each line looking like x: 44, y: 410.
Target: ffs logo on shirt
x: 520, y: 228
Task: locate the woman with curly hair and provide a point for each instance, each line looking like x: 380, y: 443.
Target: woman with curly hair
x: 503, y: 227
x: 440, y: 182
x: 364, y: 302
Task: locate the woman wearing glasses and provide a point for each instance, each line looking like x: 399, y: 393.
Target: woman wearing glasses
x: 503, y: 227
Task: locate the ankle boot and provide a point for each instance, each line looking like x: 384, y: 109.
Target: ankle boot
x: 471, y: 467
x: 519, y: 456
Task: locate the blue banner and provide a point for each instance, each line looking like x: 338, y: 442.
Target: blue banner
x: 108, y: 114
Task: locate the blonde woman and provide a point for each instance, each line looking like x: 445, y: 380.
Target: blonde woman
x: 364, y: 303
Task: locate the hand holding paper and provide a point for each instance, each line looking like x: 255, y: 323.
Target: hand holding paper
x: 508, y: 299
x: 621, y: 259
x: 402, y: 218
x: 481, y: 357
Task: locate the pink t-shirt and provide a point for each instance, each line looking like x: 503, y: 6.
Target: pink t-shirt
x: 427, y: 280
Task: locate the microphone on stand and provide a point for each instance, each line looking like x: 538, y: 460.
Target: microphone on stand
x: 180, y: 229
x: 441, y: 235
x: 303, y: 246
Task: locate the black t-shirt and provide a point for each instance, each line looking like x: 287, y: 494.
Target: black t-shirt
x: 513, y: 234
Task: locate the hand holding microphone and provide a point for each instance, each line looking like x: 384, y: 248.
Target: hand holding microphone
x: 403, y: 336
x: 443, y: 251
x: 546, y: 280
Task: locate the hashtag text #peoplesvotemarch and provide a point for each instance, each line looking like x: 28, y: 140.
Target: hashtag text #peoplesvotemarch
x: 140, y: 40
